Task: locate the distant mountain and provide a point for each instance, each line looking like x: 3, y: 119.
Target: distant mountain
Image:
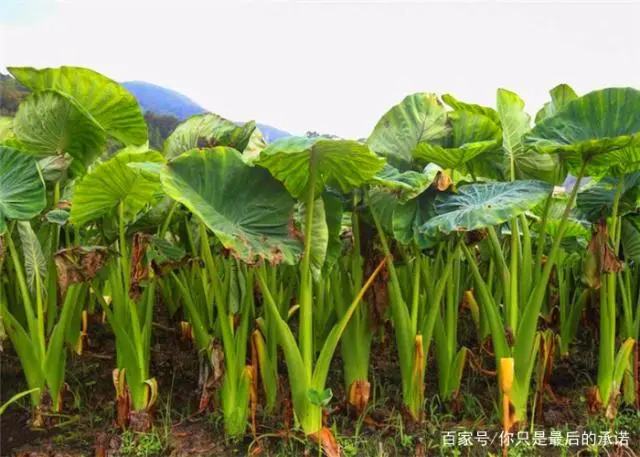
x: 166, y: 102
x: 163, y: 101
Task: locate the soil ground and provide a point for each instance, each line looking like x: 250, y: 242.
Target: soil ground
x: 86, y: 427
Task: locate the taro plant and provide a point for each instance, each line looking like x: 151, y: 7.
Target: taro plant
x: 594, y: 135
x: 237, y: 378
x: 37, y: 333
x: 485, y: 207
x: 66, y: 122
x: 41, y: 353
x: 415, y: 301
x: 346, y: 280
x: 466, y: 211
x: 210, y: 130
x: 114, y: 190
x: 524, y: 299
x: 283, y: 281
x: 599, y: 202
x: 248, y: 211
x: 568, y: 298
x: 306, y: 166
x: 421, y: 131
x: 72, y: 111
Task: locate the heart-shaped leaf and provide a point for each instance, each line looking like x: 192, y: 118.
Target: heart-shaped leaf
x: 417, y: 119
x: 208, y: 130
x: 471, y: 134
x: 479, y: 206
x: 561, y: 95
x: 101, y: 190
x: 50, y: 124
x: 247, y: 209
x: 22, y: 190
x: 408, y: 218
x: 522, y: 161
x: 589, y: 128
x: 343, y: 164
x: 405, y: 185
x: 109, y: 104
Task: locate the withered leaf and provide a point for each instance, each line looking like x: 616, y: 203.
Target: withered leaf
x: 139, y: 265
x: 600, y: 257
x: 79, y: 264
x: 442, y: 181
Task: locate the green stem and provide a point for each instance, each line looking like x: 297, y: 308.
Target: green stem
x: 167, y: 220
x: 615, y: 239
x: 527, y: 261
x: 306, y: 286
x: 55, y: 230
x: 405, y: 338
x: 512, y: 313
x: 542, y: 232
x: 415, y: 302
x: 539, y: 291
x: 22, y: 284
x: 453, y: 303
x: 501, y: 263
x: 40, y: 307
x: 192, y: 244
x: 124, y: 259
x: 608, y: 311
x: 137, y: 336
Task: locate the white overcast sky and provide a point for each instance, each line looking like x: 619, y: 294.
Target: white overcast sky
x: 331, y: 66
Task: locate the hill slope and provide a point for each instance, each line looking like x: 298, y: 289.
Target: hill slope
x: 163, y: 101
x: 166, y: 102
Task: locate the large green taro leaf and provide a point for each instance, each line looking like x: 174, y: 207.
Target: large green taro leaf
x: 596, y: 200
x: 405, y: 185
x: 101, y: 190
x: 488, y: 163
x: 478, y: 206
x: 472, y: 108
x: 208, y: 130
x: 620, y: 161
x: 561, y: 95
x: 471, y: 134
x: 384, y: 204
x: 403, y: 202
x: 245, y: 207
x: 409, y: 217
x: 50, y: 124
x: 110, y: 104
x: 417, y: 119
x: 22, y: 190
x: 589, y: 128
x: 343, y: 164
x: 522, y: 161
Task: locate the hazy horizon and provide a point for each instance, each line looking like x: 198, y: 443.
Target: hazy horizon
x: 329, y: 66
